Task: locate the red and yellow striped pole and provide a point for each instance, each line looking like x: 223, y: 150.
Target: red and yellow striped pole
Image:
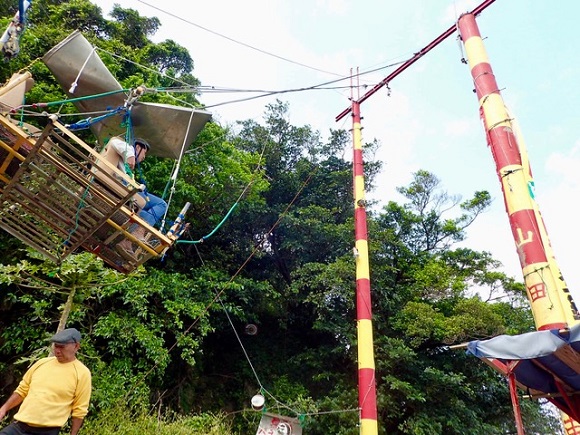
x: 367, y: 395
x: 551, y: 302
x: 549, y: 296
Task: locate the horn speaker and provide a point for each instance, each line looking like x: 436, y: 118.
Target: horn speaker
x: 79, y: 70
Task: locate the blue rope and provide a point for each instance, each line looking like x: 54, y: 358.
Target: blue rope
x: 83, y: 124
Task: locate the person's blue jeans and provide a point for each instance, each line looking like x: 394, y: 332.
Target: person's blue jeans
x: 154, y: 209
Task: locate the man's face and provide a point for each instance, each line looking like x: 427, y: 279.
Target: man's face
x: 65, y: 352
x: 141, y: 153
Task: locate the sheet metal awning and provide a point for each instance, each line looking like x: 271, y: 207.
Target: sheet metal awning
x: 81, y: 73
x: 545, y: 364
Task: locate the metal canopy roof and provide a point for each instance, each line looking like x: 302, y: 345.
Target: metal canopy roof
x: 81, y: 73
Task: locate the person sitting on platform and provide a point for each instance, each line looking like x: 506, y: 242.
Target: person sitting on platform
x: 152, y: 208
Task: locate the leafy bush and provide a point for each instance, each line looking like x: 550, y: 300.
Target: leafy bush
x: 119, y: 420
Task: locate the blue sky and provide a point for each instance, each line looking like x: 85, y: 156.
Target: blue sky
x: 430, y: 120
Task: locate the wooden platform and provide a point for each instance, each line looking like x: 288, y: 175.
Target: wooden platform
x: 58, y: 196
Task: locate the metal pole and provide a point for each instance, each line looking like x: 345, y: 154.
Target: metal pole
x: 367, y: 395
x: 551, y: 302
x: 515, y: 402
x: 549, y: 296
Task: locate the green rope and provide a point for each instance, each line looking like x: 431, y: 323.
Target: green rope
x: 82, y: 204
x: 72, y: 100
x: 214, y: 230
x: 164, y: 195
x: 128, y: 124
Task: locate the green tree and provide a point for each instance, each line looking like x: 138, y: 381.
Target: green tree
x: 133, y: 29
x: 428, y: 297
x: 177, y: 337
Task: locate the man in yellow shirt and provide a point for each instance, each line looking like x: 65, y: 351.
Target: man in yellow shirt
x: 52, y: 390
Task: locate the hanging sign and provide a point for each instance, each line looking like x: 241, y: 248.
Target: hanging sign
x: 272, y: 424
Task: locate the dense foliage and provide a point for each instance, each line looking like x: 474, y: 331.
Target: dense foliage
x: 267, y: 303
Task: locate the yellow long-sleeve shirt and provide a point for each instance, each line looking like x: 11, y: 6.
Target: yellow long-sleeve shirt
x: 52, y: 391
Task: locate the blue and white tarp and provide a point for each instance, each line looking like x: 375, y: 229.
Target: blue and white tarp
x: 548, y: 362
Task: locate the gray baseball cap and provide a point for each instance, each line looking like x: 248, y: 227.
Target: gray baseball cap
x: 69, y: 335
